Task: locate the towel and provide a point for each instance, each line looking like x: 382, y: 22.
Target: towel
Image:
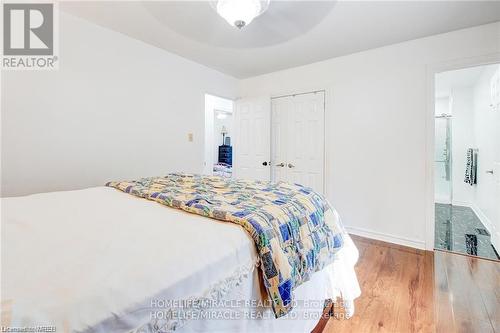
x: 471, y: 167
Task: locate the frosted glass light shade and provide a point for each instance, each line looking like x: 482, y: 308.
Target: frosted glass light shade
x: 240, y: 13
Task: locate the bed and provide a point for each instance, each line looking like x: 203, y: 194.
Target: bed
x: 101, y: 260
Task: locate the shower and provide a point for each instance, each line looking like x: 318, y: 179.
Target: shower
x: 443, y: 185
x: 443, y: 157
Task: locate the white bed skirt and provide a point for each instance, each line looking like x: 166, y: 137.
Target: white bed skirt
x: 337, y: 280
x: 235, y: 304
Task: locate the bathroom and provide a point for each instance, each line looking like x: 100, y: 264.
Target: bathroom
x: 467, y: 161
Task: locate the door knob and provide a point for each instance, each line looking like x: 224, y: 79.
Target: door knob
x: 290, y: 165
x: 281, y: 165
x: 489, y: 171
x: 264, y: 163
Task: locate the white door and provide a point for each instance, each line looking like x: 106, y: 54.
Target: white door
x: 298, y: 151
x: 279, y: 138
x: 252, y: 144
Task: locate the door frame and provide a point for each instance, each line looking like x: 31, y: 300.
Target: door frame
x: 206, y: 135
x: 432, y: 70
x: 295, y: 93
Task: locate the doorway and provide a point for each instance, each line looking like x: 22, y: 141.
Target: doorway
x: 218, y: 136
x: 467, y: 161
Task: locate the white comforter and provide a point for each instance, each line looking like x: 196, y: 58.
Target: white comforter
x: 98, y: 259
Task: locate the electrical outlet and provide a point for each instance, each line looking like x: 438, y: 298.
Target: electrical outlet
x: 190, y: 137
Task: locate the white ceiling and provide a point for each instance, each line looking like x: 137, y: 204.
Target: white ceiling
x: 289, y: 34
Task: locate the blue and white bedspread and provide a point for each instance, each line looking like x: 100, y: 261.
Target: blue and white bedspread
x: 287, y: 222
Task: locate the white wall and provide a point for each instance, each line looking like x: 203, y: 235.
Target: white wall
x: 376, y: 127
x: 117, y: 108
x: 442, y: 105
x: 462, y: 138
x: 486, y: 199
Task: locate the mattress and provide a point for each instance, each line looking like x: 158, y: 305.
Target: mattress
x: 100, y: 260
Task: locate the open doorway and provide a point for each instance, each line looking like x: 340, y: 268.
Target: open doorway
x: 467, y: 161
x: 218, y: 136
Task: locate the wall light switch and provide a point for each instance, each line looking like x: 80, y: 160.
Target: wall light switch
x: 190, y: 137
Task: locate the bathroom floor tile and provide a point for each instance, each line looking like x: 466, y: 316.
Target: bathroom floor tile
x: 456, y: 230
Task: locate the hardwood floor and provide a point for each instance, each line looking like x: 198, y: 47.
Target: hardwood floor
x: 409, y: 290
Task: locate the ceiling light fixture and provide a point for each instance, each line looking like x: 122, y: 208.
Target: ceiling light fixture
x: 240, y: 13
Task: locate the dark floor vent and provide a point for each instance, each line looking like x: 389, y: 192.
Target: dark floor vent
x: 482, y: 232
x: 471, y: 244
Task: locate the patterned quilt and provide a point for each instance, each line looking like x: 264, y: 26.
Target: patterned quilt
x: 286, y: 221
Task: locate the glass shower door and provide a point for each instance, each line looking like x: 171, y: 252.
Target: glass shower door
x: 442, y: 159
x: 442, y: 181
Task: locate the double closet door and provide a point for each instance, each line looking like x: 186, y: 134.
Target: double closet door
x: 297, y: 139
x: 281, y: 139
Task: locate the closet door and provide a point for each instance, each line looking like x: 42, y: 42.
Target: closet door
x: 251, y: 152
x: 298, y: 139
x: 306, y: 137
x: 279, y: 138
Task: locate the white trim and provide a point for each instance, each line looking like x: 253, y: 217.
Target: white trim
x: 483, y: 218
x: 418, y: 244
x: 433, y: 69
